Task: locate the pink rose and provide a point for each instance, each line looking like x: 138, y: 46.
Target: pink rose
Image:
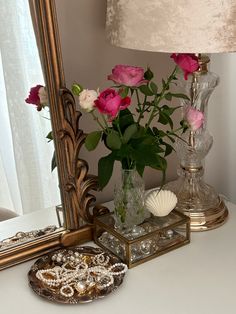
x: 110, y: 102
x: 188, y: 62
x: 37, y: 96
x: 127, y: 75
x: 194, y: 118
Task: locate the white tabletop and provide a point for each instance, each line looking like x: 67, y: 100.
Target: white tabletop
x: 197, y: 278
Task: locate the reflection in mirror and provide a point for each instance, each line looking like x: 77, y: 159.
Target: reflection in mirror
x: 28, y: 186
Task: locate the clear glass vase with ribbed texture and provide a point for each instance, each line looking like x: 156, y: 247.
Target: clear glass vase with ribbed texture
x: 129, y: 200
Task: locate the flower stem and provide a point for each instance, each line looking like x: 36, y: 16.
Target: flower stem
x: 142, y: 110
x: 105, y: 122
x: 139, y: 106
x: 117, y: 124
x: 137, y: 95
x: 119, y: 130
x: 98, y: 122
x: 158, y: 100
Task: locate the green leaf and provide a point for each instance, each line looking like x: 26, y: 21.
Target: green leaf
x: 153, y: 87
x: 124, y: 152
x: 165, y: 119
x: 92, y: 140
x: 49, y: 136
x: 168, y: 150
x: 140, y: 168
x: 158, y: 133
x: 170, y: 138
x: 129, y: 132
x: 53, y: 162
x: 145, y: 140
x: 183, y: 96
x: 146, y: 90
x: 125, y: 119
x: 148, y: 75
x: 113, y: 140
x: 145, y: 154
x: 124, y: 91
x: 184, y: 125
x: 169, y: 110
x: 168, y: 96
x: 140, y: 133
x: 160, y: 164
x: 162, y: 118
x: 105, y: 169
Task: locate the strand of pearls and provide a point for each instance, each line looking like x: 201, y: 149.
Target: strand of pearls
x: 75, y: 274
x: 117, y: 265
x: 100, y: 259
x: 70, y: 256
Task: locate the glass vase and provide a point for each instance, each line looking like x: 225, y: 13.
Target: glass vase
x: 129, y: 200
x: 196, y: 198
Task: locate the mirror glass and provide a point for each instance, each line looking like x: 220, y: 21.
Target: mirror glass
x: 29, y: 189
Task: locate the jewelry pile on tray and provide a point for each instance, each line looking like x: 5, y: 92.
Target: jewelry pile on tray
x: 79, y: 273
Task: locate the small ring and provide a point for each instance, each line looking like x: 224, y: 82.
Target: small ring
x: 67, y: 294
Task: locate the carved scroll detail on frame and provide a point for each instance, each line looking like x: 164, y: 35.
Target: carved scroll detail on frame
x: 78, y: 182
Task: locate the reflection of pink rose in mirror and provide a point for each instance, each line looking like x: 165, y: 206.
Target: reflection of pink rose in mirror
x: 38, y: 97
x: 127, y: 75
x: 110, y: 102
x: 188, y: 62
x: 194, y: 118
x: 33, y: 97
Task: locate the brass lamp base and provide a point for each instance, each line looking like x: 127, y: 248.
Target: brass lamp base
x: 208, y: 219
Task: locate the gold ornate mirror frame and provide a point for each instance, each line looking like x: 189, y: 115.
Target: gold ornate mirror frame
x: 75, y: 182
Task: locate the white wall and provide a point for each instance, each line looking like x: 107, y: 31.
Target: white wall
x: 88, y: 58
x: 221, y: 161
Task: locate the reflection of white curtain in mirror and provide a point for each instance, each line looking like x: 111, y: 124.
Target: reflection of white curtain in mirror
x: 26, y: 181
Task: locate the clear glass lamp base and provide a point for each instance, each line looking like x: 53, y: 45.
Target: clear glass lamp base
x: 199, y: 201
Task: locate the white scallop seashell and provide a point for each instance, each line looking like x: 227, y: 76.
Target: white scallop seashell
x: 161, y: 203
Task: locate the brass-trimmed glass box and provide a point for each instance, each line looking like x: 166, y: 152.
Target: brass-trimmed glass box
x: 154, y: 237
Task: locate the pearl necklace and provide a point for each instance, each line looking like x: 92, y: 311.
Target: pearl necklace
x: 75, y: 274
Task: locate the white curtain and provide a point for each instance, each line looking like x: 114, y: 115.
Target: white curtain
x: 26, y: 181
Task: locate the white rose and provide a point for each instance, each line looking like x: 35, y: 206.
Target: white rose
x: 43, y: 96
x: 87, y: 98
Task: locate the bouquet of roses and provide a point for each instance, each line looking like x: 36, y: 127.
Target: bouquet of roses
x: 134, y: 140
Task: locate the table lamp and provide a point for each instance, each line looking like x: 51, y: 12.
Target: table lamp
x: 183, y: 26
